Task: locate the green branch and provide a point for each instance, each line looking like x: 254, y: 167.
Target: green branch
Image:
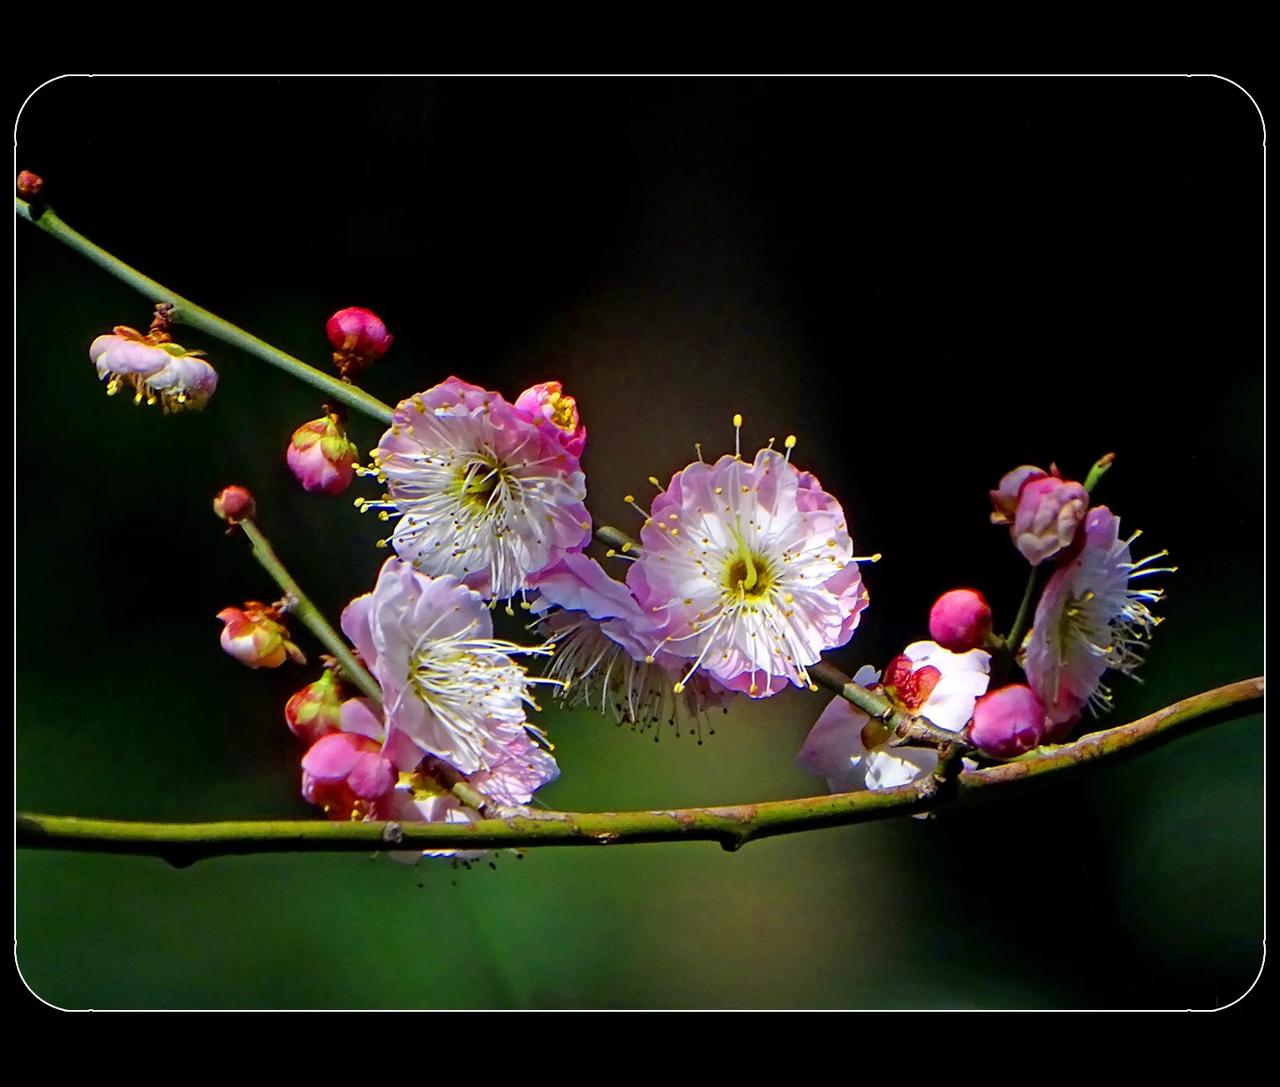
x: 188, y: 313
x: 308, y: 613
x: 732, y: 826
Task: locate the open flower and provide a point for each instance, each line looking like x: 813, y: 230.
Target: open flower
x: 748, y: 570
x: 1088, y: 620
x: 448, y: 685
x: 607, y: 652
x: 851, y: 750
x: 157, y: 369
x: 482, y: 493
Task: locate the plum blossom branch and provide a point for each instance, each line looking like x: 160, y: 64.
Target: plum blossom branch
x: 732, y: 826
x: 188, y: 313
x: 308, y: 613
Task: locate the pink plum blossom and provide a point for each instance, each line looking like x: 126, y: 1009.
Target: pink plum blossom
x: 547, y: 404
x: 155, y: 368
x: 349, y: 776
x: 960, y: 620
x: 748, y: 571
x: 255, y: 637
x: 1088, y: 620
x: 321, y: 456
x: 607, y: 651
x: 851, y: 750
x: 481, y: 493
x: 448, y: 685
x: 1008, y: 722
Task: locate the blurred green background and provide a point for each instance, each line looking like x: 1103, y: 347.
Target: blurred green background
x: 928, y: 281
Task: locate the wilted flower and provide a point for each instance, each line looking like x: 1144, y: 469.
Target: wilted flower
x: 607, y: 650
x: 155, y: 368
x: 1089, y: 620
x: 321, y: 456
x: 358, y: 337
x: 547, y: 403
x: 256, y: 638
x: 748, y: 571
x: 960, y: 620
x: 447, y: 684
x: 1008, y: 722
x: 482, y: 493
x: 851, y: 750
x: 1049, y: 512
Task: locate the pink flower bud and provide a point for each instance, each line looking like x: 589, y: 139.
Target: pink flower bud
x: 316, y: 710
x: 29, y: 185
x: 1004, y: 498
x: 1008, y: 722
x: 233, y: 504
x: 255, y: 638
x: 548, y: 403
x: 1049, y: 513
x: 321, y: 455
x: 960, y: 620
x: 348, y: 776
x: 358, y: 336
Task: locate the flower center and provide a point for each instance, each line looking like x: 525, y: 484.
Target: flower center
x: 748, y: 575
x: 562, y: 410
x: 476, y: 481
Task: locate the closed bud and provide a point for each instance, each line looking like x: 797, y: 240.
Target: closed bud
x: 256, y: 638
x: 321, y: 456
x: 316, y: 710
x: 1050, y: 511
x: 1008, y: 722
x: 960, y: 620
x: 233, y: 504
x: 358, y: 337
x: 29, y: 185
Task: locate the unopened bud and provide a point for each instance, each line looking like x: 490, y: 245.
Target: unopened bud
x: 321, y: 456
x: 316, y: 710
x: 358, y: 336
x: 960, y: 620
x: 1008, y: 722
x: 233, y: 504
x: 29, y: 185
x: 255, y: 638
x: 1049, y: 513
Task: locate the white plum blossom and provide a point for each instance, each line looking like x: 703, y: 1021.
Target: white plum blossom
x: 851, y: 751
x: 448, y: 686
x: 748, y: 571
x: 483, y: 493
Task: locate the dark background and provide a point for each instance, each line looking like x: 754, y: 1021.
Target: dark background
x: 928, y: 281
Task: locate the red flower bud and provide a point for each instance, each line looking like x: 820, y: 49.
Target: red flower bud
x: 321, y: 456
x: 316, y: 710
x: 960, y: 620
x: 233, y: 504
x: 1008, y: 722
x: 358, y: 336
x: 29, y: 185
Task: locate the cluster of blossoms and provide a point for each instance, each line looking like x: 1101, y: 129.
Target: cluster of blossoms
x: 1089, y: 619
x: 743, y: 576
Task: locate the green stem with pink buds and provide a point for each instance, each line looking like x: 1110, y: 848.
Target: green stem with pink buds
x: 188, y: 313
x: 732, y: 826
x: 309, y: 614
